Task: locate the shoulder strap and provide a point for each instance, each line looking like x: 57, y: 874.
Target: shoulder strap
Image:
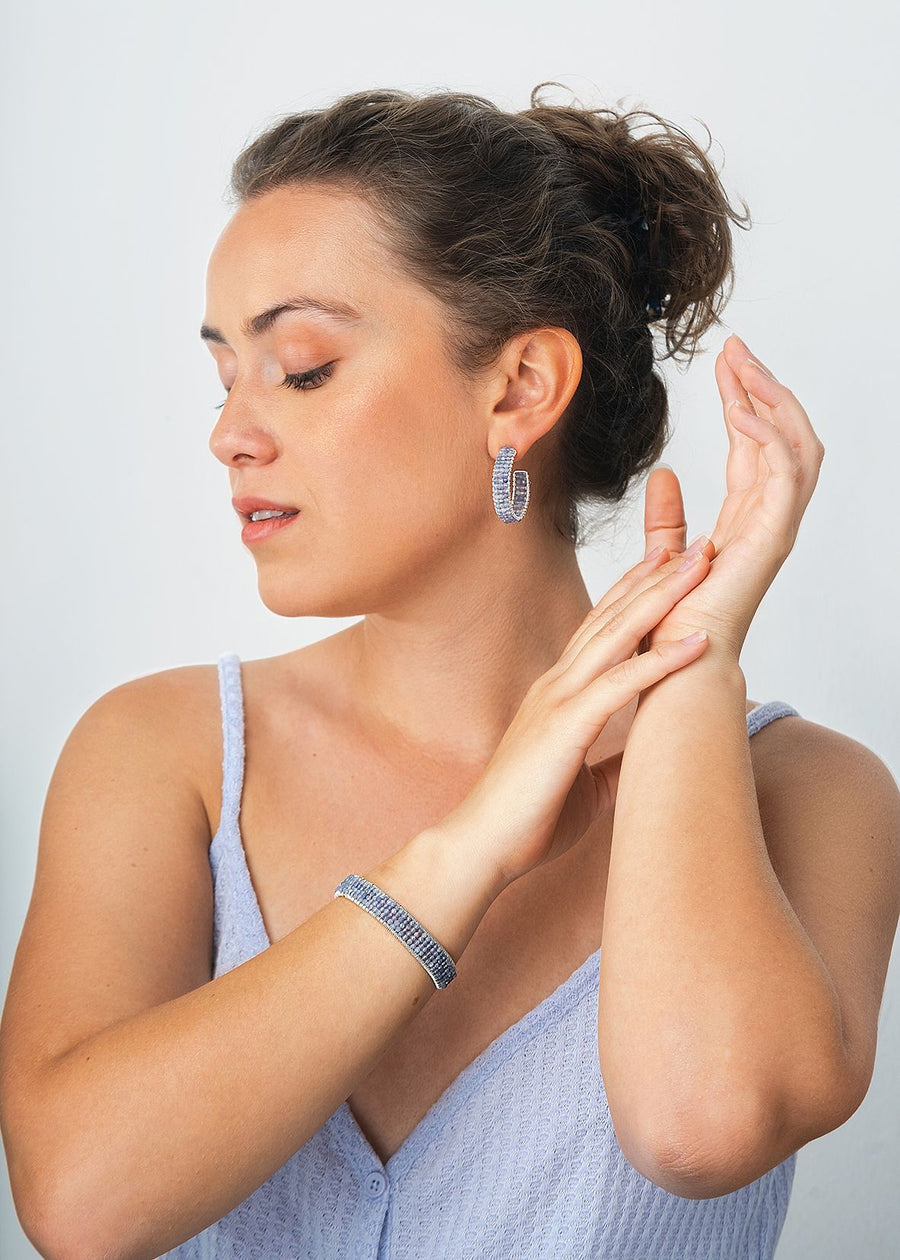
x: 232, y: 702
x: 763, y: 714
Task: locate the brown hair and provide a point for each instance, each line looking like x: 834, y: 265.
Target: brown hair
x: 520, y: 220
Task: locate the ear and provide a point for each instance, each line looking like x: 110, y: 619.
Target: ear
x: 536, y: 375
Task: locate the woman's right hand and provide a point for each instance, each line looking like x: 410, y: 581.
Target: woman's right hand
x: 537, y: 796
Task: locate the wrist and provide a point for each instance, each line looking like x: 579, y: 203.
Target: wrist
x: 717, y: 668
x: 457, y: 847
x: 440, y: 877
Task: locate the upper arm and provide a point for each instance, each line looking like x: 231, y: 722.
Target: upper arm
x: 830, y: 811
x: 120, y: 917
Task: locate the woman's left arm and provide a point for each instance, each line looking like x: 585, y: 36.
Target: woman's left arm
x: 748, y: 923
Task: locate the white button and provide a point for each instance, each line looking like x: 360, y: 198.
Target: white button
x: 375, y: 1184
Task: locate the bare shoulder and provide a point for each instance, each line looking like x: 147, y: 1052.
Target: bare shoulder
x: 800, y: 764
x: 827, y: 801
x: 178, y: 714
x: 162, y: 696
x: 167, y: 689
x: 794, y: 754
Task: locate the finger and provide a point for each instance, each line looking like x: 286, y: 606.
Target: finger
x: 800, y: 452
x: 629, y: 582
x: 771, y: 399
x: 780, y: 456
x: 635, y: 582
x: 617, y: 636
x: 612, y: 690
x: 664, y: 521
x: 742, y: 351
x: 743, y: 463
x: 735, y: 357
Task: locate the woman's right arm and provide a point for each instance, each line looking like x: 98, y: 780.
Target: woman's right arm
x: 141, y: 1101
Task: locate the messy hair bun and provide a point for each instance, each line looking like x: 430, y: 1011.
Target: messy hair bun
x: 557, y: 216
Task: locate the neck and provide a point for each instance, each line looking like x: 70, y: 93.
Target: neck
x: 444, y: 670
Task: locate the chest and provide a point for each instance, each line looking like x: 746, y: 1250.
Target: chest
x: 313, y: 810
x: 316, y: 805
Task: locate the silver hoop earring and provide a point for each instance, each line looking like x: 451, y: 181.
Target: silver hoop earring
x: 509, y: 506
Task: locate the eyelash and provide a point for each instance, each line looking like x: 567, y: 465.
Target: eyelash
x: 303, y: 380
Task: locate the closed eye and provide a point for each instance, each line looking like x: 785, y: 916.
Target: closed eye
x: 303, y: 380
x: 311, y: 379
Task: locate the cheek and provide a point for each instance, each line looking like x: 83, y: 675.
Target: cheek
x: 416, y: 477
x: 401, y: 455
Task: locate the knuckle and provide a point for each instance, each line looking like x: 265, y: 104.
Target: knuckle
x: 596, y: 614
x: 613, y: 606
x: 543, y: 686
x: 613, y: 623
x: 788, y: 397
x: 629, y: 669
x: 548, y: 692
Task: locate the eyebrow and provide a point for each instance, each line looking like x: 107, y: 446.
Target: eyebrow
x: 257, y: 325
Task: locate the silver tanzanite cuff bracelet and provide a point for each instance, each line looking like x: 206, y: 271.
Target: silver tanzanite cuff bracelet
x: 420, y: 943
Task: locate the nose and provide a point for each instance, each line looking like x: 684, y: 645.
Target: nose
x: 237, y: 437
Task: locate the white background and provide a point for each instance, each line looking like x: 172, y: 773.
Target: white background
x: 121, y: 552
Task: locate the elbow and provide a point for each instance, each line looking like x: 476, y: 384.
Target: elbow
x: 65, y: 1202
x: 63, y: 1225
x: 30, y: 1187
x: 58, y: 1239
x: 712, y: 1152
x: 704, y: 1169
x: 52, y: 1236
x: 58, y: 1234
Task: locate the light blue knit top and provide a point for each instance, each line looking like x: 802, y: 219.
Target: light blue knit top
x: 517, y: 1160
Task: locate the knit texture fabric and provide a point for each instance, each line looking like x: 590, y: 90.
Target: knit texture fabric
x: 517, y: 1159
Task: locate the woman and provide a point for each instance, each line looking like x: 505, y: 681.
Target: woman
x: 212, y: 1046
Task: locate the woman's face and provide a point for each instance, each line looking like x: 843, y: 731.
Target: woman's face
x: 384, y: 453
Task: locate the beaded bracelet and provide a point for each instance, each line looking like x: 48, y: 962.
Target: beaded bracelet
x: 420, y: 943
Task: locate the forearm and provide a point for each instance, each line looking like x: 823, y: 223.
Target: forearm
x: 150, y: 1130
x: 713, y: 1001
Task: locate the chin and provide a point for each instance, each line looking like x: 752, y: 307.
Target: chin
x: 294, y: 597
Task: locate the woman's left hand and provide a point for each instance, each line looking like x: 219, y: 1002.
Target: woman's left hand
x: 772, y: 468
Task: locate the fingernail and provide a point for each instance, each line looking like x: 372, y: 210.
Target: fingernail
x: 762, y: 369
x: 655, y: 466
x: 697, y: 545
x: 687, y: 560
x: 657, y: 551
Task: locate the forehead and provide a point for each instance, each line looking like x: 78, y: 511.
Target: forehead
x: 305, y: 239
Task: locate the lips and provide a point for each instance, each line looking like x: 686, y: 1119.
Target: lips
x: 245, y: 506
